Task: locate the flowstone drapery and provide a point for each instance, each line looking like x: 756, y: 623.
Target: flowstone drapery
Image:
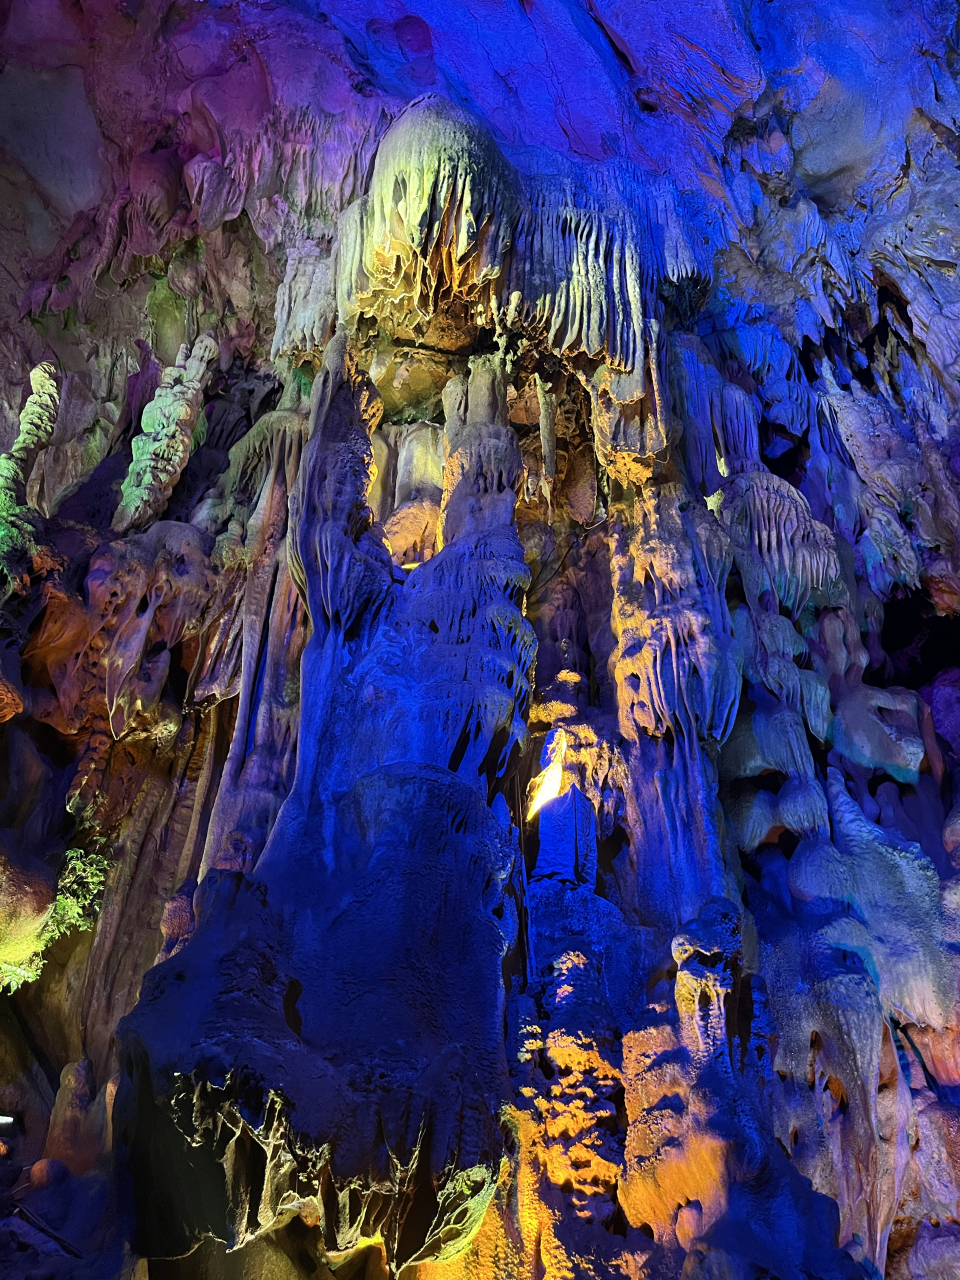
x: 479, y: 677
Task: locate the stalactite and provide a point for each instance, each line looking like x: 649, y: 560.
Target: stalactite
x: 161, y: 452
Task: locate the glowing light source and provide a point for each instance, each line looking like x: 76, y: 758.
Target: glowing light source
x: 6, y: 1119
x: 546, y: 785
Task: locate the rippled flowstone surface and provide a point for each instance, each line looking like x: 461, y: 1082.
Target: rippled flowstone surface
x: 479, y: 640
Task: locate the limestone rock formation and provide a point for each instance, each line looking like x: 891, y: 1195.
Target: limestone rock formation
x: 479, y: 640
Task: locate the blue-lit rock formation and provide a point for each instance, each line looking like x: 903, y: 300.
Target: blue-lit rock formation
x: 479, y: 640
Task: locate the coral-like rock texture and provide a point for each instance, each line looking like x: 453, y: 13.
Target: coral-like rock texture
x: 479, y: 640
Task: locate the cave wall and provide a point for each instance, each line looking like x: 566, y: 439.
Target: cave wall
x: 479, y: 640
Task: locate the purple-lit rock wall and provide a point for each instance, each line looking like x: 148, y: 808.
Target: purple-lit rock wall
x: 479, y: 640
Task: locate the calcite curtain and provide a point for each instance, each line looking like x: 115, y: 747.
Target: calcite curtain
x: 479, y: 640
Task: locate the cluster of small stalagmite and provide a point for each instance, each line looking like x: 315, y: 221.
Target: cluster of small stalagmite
x: 479, y: 668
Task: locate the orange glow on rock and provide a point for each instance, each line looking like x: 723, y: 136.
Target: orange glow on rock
x: 546, y: 785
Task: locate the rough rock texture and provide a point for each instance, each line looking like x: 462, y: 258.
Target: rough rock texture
x: 479, y: 640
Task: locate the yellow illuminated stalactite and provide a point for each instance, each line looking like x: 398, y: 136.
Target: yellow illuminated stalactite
x: 546, y: 785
